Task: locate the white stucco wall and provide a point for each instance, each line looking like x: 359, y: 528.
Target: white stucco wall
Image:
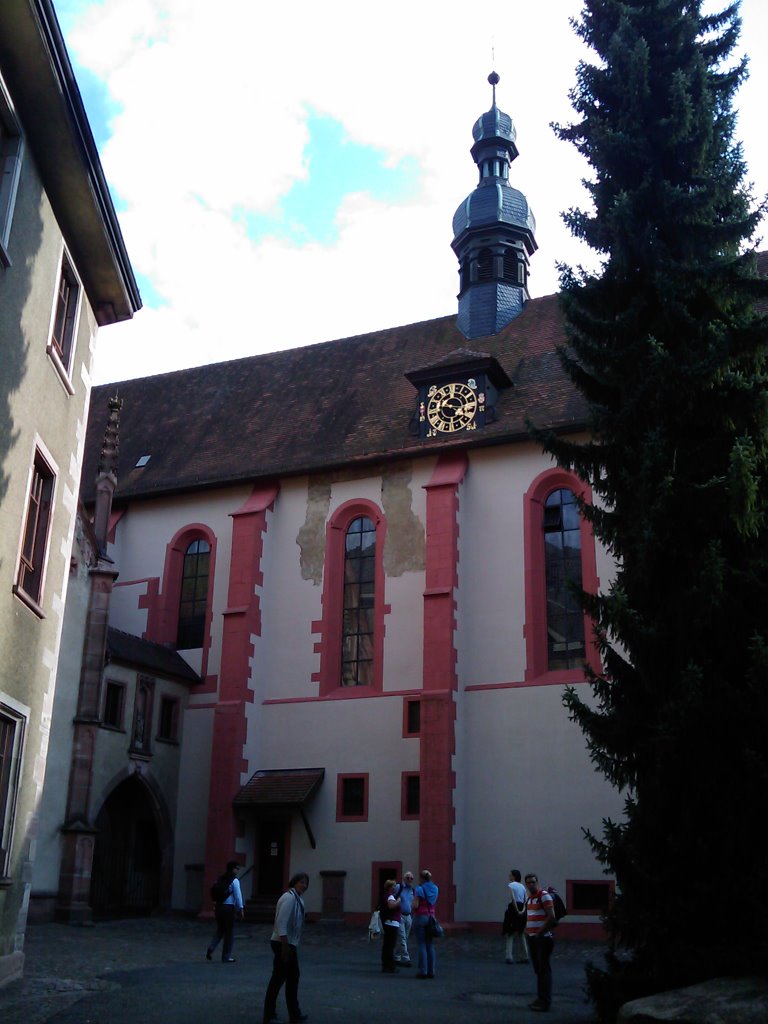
x: 525, y: 787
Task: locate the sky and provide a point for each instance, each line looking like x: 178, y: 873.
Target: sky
x: 286, y: 174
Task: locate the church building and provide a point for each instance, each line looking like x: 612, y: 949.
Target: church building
x: 337, y: 613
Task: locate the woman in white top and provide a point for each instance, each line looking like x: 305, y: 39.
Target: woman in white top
x: 225, y: 914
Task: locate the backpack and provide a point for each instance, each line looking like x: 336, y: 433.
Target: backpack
x: 220, y: 889
x: 558, y: 904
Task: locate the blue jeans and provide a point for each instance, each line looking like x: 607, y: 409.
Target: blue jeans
x: 426, y: 948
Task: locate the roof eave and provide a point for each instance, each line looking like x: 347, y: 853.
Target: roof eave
x: 39, y: 74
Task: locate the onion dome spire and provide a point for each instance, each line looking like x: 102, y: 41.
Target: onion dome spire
x: 493, y: 231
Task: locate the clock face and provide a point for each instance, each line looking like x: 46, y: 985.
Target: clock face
x: 451, y: 407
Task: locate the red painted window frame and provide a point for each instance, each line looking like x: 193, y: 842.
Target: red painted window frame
x: 608, y: 884
x: 407, y: 701
x: 392, y: 868
x: 536, y: 669
x: 329, y: 647
x: 163, y: 618
x: 340, y: 780
x: 404, y: 814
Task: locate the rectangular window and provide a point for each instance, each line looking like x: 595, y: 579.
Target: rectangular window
x: 410, y: 804
x: 10, y: 169
x: 589, y: 898
x: 168, y: 724
x: 352, y: 798
x: 64, y: 319
x: 412, y: 717
x: 29, y: 577
x: 114, y: 705
x: 11, y: 735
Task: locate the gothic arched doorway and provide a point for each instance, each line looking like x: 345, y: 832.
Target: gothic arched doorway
x: 127, y: 858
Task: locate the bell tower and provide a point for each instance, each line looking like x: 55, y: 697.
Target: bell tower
x: 493, y: 232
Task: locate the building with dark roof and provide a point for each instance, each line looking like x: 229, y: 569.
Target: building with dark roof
x: 364, y: 560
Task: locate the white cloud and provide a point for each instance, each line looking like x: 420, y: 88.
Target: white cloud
x: 212, y: 118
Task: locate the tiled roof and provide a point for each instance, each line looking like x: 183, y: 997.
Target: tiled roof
x: 322, y: 406
x: 153, y: 658
x: 280, y: 787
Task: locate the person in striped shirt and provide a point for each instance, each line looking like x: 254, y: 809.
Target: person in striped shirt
x: 541, y: 920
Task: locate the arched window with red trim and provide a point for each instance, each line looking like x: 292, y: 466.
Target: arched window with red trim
x: 357, y: 628
x: 193, y: 599
x: 562, y: 570
x: 352, y: 644
x: 181, y: 615
x: 559, y: 558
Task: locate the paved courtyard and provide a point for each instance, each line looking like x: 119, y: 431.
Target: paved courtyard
x: 154, y: 971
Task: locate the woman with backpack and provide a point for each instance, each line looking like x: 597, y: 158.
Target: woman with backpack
x: 228, y: 901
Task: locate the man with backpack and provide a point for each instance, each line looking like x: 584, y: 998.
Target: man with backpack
x: 540, y: 907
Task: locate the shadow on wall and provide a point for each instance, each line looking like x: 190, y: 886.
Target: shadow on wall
x: 15, y: 289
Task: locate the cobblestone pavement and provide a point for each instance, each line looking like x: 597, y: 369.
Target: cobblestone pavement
x: 154, y: 970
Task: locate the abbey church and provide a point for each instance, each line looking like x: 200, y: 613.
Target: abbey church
x: 327, y: 615
x: 319, y: 616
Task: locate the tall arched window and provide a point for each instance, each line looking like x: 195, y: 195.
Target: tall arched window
x: 351, y: 645
x: 194, y: 595
x: 359, y: 598
x: 562, y: 565
x: 559, y: 554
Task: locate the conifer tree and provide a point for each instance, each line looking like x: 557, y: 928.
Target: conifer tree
x: 668, y: 345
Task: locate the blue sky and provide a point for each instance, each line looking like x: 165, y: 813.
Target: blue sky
x: 336, y: 167
x: 288, y: 174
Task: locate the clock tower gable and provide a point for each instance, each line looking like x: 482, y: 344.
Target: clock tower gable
x: 457, y: 394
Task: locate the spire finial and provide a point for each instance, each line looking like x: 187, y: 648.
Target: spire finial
x: 111, y: 444
x: 494, y: 80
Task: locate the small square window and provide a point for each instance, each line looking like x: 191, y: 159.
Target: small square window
x: 34, y: 547
x: 114, y: 705
x: 352, y: 798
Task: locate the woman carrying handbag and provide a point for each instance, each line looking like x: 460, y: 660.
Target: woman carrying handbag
x: 423, y: 916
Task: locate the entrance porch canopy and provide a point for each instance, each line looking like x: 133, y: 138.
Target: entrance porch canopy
x: 281, y: 788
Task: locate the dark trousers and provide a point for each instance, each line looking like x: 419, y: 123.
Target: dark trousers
x: 225, y: 928
x: 390, y: 937
x: 284, y: 972
x: 541, y: 947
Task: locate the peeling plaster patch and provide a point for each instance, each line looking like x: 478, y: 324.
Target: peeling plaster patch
x: 311, y: 537
x: 405, y: 546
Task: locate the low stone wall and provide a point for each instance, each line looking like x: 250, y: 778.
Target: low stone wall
x: 720, y: 1001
